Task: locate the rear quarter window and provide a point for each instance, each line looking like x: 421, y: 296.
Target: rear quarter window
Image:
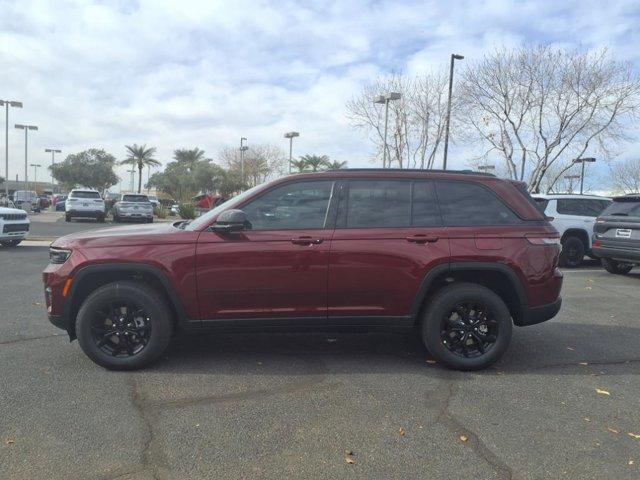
x: 623, y: 208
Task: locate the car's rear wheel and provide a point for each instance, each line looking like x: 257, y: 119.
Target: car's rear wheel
x: 10, y: 243
x: 615, y: 267
x: 67, y: 218
x: 124, y: 325
x: 466, y: 327
x: 573, y: 251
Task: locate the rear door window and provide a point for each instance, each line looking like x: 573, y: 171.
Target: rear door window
x: 584, y: 207
x: 467, y: 204
x: 623, y: 208
x: 378, y: 203
x: 424, y: 205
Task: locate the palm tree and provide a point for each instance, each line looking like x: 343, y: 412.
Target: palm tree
x: 336, y: 165
x: 189, y: 157
x: 140, y: 156
x: 300, y: 165
x: 315, y: 162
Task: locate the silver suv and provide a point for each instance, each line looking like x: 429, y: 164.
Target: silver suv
x: 133, y: 206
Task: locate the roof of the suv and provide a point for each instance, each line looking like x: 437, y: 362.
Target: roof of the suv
x: 629, y: 197
x: 554, y: 196
x: 409, y: 170
x: 83, y: 190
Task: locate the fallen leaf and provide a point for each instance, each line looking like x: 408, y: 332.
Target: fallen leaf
x: 589, y: 288
x: 602, y: 392
x: 349, y: 458
x: 587, y: 419
x: 431, y: 361
x: 401, y: 432
x: 8, y: 441
x: 36, y: 303
x: 630, y: 462
x: 634, y: 435
x: 463, y: 438
x: 197, y: 425
x: 613, y: 430
x: 572, y: 349
x: 583, y: 363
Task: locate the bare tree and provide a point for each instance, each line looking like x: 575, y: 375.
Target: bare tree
x: 539, y: 108
x: 261, y: 162
x: 416, y: 121
x: 625, y: 176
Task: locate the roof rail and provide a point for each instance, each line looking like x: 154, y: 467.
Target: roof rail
x: 421, y: 170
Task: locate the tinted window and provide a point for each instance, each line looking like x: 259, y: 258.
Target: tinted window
x: 466, y: 204
x: 624, y: 208
x: 135, y: 198
x: 84, y: 195
x: 581, y: 206
x: 301, y: 205
x: 541, y: 204
x: 374, y: 203
x: 424, y: 210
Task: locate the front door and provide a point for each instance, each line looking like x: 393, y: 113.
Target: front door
x: 388, y: 236
x: 278, y: 267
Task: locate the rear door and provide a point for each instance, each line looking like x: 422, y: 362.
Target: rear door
x: 389, y: 234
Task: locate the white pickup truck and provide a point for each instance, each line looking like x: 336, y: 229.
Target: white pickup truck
x: 574, y: 217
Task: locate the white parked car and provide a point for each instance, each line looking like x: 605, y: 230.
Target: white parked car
x: 574, y: 217
x: 14, y: 224
x: 84, y: 203
x: 133, y: 206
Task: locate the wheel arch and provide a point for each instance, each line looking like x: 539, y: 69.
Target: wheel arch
x: 91, y: 277
x: 499, y: 278
x: 580, y: 233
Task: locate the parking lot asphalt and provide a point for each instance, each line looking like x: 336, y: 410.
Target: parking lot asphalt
x: 293, y: 405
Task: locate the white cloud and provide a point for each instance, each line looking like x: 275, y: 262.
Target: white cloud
x: 203, y: 73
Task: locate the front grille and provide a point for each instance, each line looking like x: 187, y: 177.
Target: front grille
x: 16, y: 227
x: 13, y: 216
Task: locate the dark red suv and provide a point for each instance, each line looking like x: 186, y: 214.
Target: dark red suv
x: 459, y: 256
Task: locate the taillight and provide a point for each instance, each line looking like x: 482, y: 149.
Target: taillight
x: 596, y: 243
x: 600, y: 220
x: 543, y: 240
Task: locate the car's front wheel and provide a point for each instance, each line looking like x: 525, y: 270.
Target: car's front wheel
x: 614, y: 267
x: 466, y: 327
x: 10, y: 243
x: 124, y: 325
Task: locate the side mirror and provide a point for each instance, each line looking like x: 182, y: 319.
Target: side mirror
x: 230, y: 221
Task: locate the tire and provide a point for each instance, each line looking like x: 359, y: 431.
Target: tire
x: 150, y: 220
x: 10, y: 243
x: 97, y: 318
x: 440, y: 314
x: 101, y: 219
x: 67, y: 218
x: 573, y: 251
x: 614, y: 267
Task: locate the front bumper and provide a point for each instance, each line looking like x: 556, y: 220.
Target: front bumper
x: 532, y: 316
x: 13, y: 230
x: 135, y: 215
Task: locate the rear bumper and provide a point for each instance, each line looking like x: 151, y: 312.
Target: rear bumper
x: 85, y: 213
x: 623, y: 254
x: 531, y: 316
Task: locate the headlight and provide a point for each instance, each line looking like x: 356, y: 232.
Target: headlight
x: 58, y: 255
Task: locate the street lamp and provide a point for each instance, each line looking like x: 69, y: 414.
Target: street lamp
x: 243, y: 148
x: 133, y: 178
x: 26, y: 129
x: 7, y: 104
x: 291, y: 136
x: 35, y: 175
x: 53, y: 152
x: 571, y: 178
x: 583, y: 161
x: 385, y: 99
x: 454, y: 57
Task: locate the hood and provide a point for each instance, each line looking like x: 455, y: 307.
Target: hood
x: 11, y: 210
x: 127, y: 235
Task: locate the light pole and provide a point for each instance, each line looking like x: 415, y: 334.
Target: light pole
x: 583, y: 161
x: 35, y: 175
x: 53, y: 152
x: 454, y: 57
x: 7, y: 104
x: 385, y: 99
x: 571, y: 178
x: 243, y: 149
x: 133, y: 178
x: 26, y: 129
x: 291, y: 136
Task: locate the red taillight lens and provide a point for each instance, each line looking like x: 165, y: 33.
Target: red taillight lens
x: 596, y: 243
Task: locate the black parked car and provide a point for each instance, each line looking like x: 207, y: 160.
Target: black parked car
x: 616, y: 238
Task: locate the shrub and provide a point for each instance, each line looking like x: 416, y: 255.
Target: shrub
x: 160, y: 212
x: 187, y: 211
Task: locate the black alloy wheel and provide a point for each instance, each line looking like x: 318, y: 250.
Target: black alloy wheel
x: 573, y: 252
x: 121, y: 329
x: 469, y: 329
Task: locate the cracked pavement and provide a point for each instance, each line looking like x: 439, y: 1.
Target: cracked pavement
x: 291, y: 405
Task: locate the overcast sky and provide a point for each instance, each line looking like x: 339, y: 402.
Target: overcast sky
x: 204, y: 73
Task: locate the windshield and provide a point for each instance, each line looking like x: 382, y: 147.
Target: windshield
x: 624, y: 208
x: 206, y: 219
x: 135, y: 198
x: 84, y: 195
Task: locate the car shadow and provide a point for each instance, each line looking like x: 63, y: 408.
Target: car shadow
x: 553, y: 348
